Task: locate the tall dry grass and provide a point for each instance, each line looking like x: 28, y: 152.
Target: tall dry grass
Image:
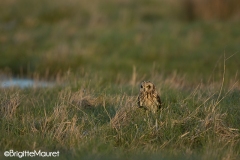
x: 87, y: 122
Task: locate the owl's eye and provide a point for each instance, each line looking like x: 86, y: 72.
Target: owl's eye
x: 141, y: 86
x: 148, y: 86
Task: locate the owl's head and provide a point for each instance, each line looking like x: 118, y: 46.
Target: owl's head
x: 147, y: 86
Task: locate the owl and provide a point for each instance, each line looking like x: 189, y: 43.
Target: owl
x: 148, y: 97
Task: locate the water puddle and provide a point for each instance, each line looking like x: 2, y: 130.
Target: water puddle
x: 24, y: 83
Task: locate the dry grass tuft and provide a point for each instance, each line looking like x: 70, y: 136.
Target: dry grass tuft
x: 81, y: 99
x: 9, y: 105
x: 122, y: 117
x: 214, y: 122
x: 125, y: 112
x: 84, y: 100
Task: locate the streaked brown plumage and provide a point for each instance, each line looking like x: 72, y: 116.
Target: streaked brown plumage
x: 148, y: 97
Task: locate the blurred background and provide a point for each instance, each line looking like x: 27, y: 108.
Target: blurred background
x: 112, y: 38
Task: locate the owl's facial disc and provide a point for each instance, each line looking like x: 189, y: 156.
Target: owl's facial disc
x: 146, y: 87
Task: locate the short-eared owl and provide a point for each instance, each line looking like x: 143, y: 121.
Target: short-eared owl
x: 148, y: 97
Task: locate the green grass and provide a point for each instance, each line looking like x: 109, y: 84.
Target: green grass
x: 94, y: 121
x: 113, y: 37
x: 98, y: 53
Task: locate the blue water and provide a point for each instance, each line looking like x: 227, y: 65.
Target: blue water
x: 24, y: 83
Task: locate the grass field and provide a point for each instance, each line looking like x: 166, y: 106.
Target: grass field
x: 97, y: 54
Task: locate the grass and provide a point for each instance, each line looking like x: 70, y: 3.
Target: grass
x: 98, y: 53
x: 92, y: 121
x: 38, y: 37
